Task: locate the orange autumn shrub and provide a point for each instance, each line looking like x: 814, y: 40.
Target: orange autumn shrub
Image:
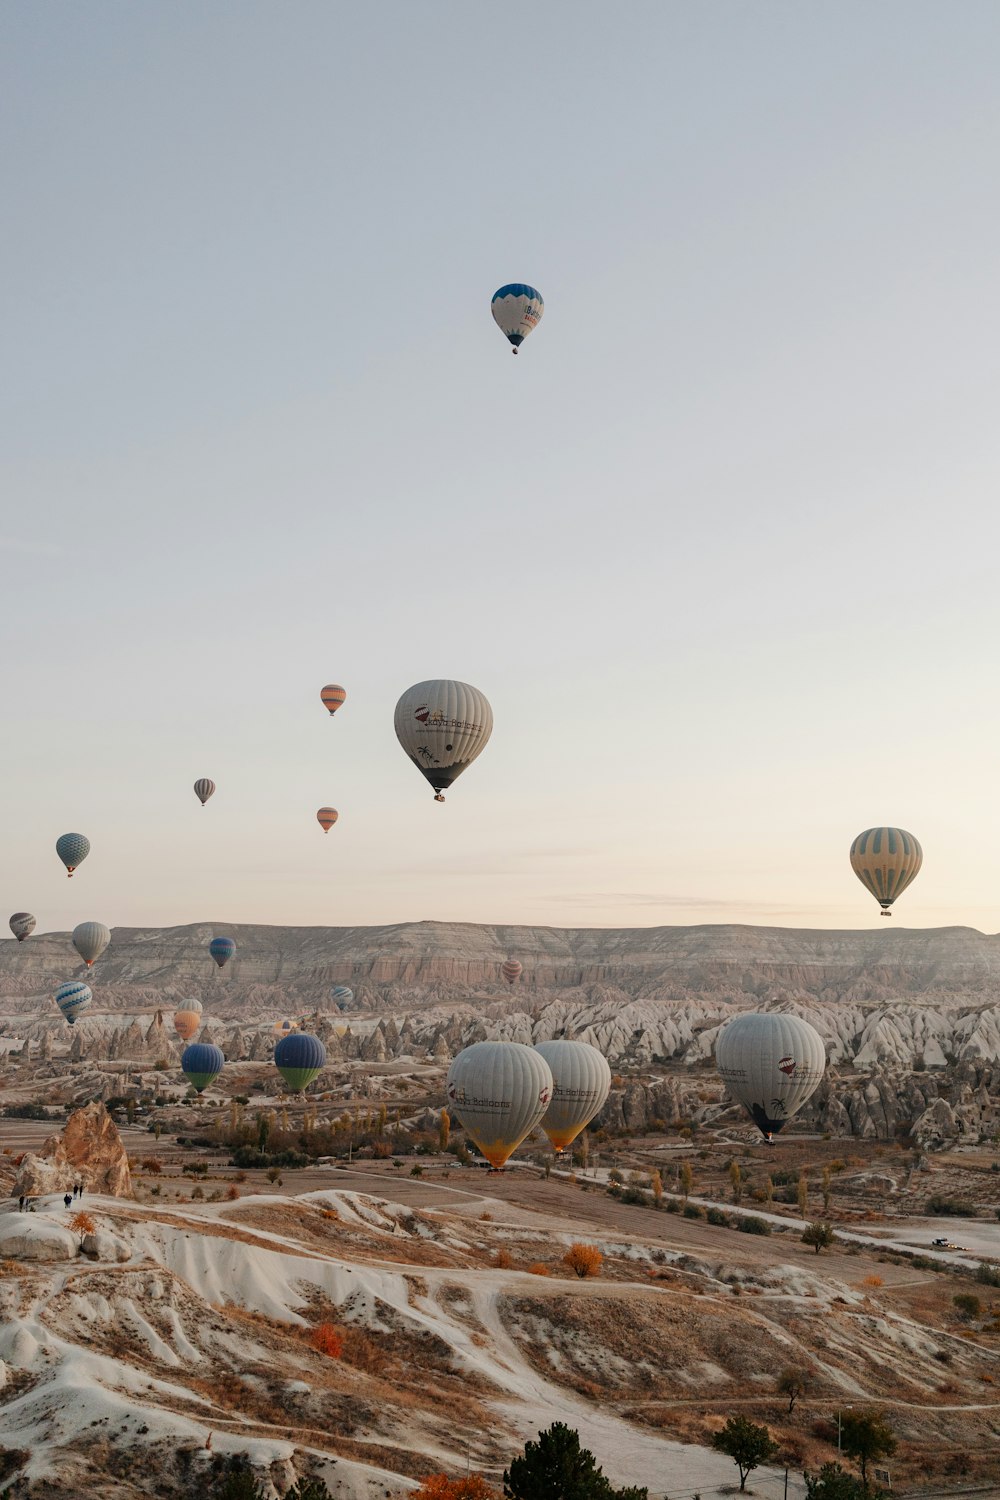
x: 585, y: 1260
x: 327, y: 1339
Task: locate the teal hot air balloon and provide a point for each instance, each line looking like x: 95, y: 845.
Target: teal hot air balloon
x: 201, y: 1064
x: 72, y: 849
x: 222, y: 950
x: 299, y: 1058
x: 341, y: 995
x: 73, y: 998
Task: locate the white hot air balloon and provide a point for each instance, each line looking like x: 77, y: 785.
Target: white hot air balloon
x: 581, y: 1082
x: 500, y: 1091
x: 443, y: 726
x: 771, y: 1064
x: 90, y: 940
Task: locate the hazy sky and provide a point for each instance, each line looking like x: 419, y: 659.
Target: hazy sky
x: 720, y: 546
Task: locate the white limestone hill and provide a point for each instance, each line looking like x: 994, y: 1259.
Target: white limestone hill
x: 165, y: 1333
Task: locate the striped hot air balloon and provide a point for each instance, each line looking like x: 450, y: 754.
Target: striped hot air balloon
x: 222, y: 950
x: 443, y: 726
x: 500, y: 1091
x: 517, y: 309
x: 581, y: 1083
x: 341, y: 995
x: 201, y: 1064
x: 511, y: 970
x: 332, y: 697
x: 73, y: 998
x: 771, y: 1064
x: 22, y: 925
x: 326, y: 817
x: 72, y: 849
x: 886, y: 860
x: 203, y: 789
x: 299, y: 1058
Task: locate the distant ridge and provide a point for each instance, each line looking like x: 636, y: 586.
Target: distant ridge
x: 445, y: 958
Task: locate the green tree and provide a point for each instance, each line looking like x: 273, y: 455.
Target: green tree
x: 833, y: 1483
x: 233, y: 1479
x: 263, y: 1130
x: 686, y: 1179
x: 746, y: 1444
x: 557, y: 1468
x: 793, y: 1382
x: 866, y: 1437
x: 819, y: 1235
x: 308, y: 1489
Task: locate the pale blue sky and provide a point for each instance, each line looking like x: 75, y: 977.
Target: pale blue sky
x: 720, y: 546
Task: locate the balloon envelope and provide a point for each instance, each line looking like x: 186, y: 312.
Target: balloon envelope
x: 332, y: 696
x: 500, y: 1091
x: 282, y: 1028
x: 517, y: 309
x: 72, y: 849
x: 201, y: 1064
x: 886, y: 860
x: 326, y: 817
x: 581, y: 1082
x: 299, y: 1058
x: 442, y: 726
x: 341, y: 995
x: 186, y: 1021
x: 511, y: 970
x: 771, y: 1064
x: 90, y: 940
x: 203, y: 789
x: 222, y: 950
x: 72, y: 998
x: 22, y: 925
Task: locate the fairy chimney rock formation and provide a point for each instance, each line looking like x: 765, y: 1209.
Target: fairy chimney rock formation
x: 89, y: 1150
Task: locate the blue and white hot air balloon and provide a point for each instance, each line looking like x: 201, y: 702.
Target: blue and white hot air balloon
x: 72, y: 998
x: 517, y: 309
x: 341, y: 995
x: 72, y: 849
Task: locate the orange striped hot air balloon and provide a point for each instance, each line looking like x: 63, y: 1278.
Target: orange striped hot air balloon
x: 326, y: 817
x: 511, y: 970
x: 332, y: 697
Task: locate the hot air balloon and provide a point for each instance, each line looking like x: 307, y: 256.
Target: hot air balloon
x: 90, y: 940
x: 500, y: 1091
x: 771, y: 1064
x: 341, y: 995
x: 443, y: 726
x: 204, y: 789
x: 332, y: 697
x: 22, y: 925
x: 187, y: 1018
x: 581, y: 1081
x: 326, y: 817
x: 511, y: 970
x: 222, y: 950
x: 517, y: 309
x: 201, y: 1064
x: 72, y: 849
x: 72, y: 998
x: 885, y: 860
x: 299, y: 1058
x: 282, y: 1028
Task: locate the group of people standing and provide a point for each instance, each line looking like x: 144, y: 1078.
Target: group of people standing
x: 25, y: 1202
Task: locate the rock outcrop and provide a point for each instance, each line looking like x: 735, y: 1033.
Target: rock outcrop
x: 89, y: 1150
